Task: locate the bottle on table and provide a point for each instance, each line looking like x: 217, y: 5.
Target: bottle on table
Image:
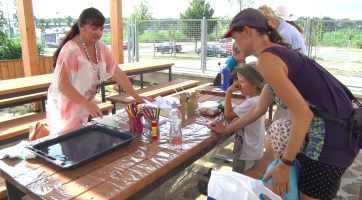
x: 175, y: 119
x: 225, y: 78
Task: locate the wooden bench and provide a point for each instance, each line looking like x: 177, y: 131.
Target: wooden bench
x: 41, y: 96
x: 3, y: 192
x: 153, y: 91
x: 111, y: 81
x: 18, y: 129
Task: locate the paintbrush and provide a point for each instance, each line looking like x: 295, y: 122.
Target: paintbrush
x: 176, y: 92
x: 185, y: 91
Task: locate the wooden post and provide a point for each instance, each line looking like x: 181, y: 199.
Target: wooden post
x: 28, y: 37
x: 117, y: 30
x: 28, y: 41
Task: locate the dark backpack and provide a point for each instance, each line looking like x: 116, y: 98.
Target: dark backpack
x: 354, y: 124
x: 217, y: 80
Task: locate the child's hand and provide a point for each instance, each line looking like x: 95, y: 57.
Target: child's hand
x: 234, y: 87
x: 218, y: 127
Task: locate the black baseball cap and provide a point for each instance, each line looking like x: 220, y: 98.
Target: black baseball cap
x: 249, y: 17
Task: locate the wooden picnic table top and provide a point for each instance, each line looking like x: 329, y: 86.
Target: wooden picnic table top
x: 154, y: 91
x: 43, y: 81
x: 119, y: 174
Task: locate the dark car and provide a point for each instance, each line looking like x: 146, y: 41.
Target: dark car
x: 168, y: 47
x: 125, y: 44
x: 215, y: 50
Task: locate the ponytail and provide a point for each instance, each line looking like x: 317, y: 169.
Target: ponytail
x: 72, y: 33
x: 274, y: 36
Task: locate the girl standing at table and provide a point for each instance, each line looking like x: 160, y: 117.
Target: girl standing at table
x: 82, y: 62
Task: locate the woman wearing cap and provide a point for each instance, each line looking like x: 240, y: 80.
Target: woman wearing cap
x: 296, y: 82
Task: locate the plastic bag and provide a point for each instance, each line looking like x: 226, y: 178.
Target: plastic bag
x: 208, y: 108
x: 228, y: 185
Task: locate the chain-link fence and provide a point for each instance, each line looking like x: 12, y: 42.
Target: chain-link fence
x: 176, y: 41
x: 337, y: 46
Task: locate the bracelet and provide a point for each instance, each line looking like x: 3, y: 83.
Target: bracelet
x: 287, y: 162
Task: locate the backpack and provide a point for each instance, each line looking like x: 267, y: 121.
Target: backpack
x: 354, y: 124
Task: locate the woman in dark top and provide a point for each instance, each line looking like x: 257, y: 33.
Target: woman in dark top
x: 296, y: 82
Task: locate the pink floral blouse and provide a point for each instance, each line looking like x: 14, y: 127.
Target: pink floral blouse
x: 63, y: 114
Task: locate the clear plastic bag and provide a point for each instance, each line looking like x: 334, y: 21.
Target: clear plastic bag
x: 209, y: 108
x: 228, y: 185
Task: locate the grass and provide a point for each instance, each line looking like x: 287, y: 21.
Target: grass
x: 22, y: 112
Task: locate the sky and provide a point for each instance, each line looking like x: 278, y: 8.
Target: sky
x: 336, y: 9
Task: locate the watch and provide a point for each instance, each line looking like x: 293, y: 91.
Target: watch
x: 287, y: 162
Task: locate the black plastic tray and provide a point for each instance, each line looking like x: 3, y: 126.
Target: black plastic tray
x: 79, y: 147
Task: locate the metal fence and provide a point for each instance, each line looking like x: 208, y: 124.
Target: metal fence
x: 335, y: 44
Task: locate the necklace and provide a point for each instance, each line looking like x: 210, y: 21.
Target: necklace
x: 86, y: 51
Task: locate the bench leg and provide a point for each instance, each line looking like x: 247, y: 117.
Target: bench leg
x: 103, y: 92
x: 169, y: 74
x: 119, y: 89
x: 43, y: 105
x: 114, y: 108
x: 13, y: 192
x: 141, y: 80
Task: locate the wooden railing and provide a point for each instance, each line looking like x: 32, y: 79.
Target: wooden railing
x: 14, y: 68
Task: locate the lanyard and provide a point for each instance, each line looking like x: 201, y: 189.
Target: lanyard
x: 86, y: 51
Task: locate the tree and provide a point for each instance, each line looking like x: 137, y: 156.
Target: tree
x: 15, y: 15
x: 196, y: 10
x: 171, y: 33
x: 143, y: 12
x: 68, y: 20
x: 3, y: 27
x: 241, y: 4
x: 54, y: 20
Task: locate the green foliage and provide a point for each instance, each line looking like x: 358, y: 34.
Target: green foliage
x: 11, y: 50
x: 242, y: 4
x: 172, y: 32
x: 68, y: 20
x: 196, y: 10
x: 143, y: 12
x: 3, y: 26
x: 161, y: 36
x: 339, y: 38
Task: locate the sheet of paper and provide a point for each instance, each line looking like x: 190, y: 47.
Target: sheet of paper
x: 159, y: 101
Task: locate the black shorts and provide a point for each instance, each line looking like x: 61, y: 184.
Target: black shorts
x: 318, y: 180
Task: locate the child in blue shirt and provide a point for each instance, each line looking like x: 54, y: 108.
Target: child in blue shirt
x: 236, y: 60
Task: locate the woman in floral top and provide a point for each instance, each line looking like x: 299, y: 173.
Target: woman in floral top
x: 82, y: 63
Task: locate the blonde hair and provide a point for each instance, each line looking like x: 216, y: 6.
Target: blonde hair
x: 268, y: 11
x: 235, y: 49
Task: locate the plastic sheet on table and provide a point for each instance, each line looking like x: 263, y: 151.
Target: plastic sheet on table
x: 186, y: 180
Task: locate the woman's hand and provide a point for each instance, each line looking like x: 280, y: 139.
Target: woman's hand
x: 217, y: 126
x: 93, y: 109
x: 280, y: 175
x: 234, y: 87
x: 140, y: 99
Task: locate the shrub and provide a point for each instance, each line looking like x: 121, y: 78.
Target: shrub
x: 10, y: 50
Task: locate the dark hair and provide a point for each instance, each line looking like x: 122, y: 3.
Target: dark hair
x: 273, y: 34
x: 90, y: 16
x: 299, y: 28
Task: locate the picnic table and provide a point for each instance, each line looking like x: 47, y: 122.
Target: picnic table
x: 13, y: 88
x: 131, y: 172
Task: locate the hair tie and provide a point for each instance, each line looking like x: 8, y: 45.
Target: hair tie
x: 269, y: 32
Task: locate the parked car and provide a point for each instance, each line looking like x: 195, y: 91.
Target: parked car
x: 227, y: 46
x: 125, y: 44
x: 168, y: 47
x: 215, y: 50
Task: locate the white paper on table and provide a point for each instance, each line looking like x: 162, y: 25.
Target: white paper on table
x: 159, y: 101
